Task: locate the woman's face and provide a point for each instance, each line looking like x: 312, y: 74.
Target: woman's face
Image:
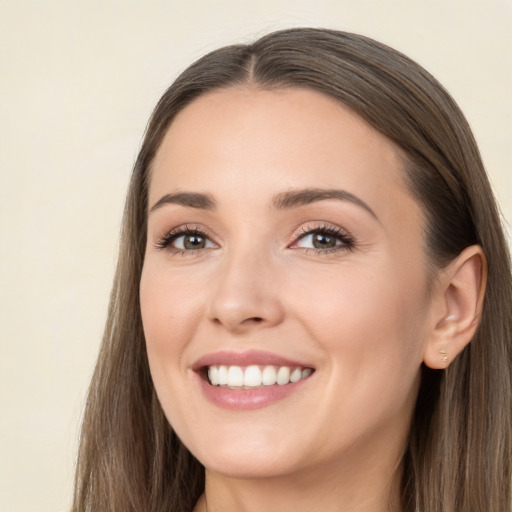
x: 281, y: 235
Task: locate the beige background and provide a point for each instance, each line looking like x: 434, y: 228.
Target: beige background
x: 77, y: 83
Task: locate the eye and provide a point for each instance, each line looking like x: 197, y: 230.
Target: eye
x: 318, y: 240
x: 185, y: 240
x: 324, y: 239
x: 191, y: 241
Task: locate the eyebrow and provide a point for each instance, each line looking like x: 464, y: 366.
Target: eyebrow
x: 296, y: 198
x: 282, y: 201
x: 190, y: 199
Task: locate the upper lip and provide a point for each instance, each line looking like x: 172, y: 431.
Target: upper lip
x: 250, y: 357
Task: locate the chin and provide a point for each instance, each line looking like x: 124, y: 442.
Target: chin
x: 245, y: 468
x: 256, y: 459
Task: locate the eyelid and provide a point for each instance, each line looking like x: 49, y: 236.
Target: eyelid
x: 346, y: 239
x: 164, y: 242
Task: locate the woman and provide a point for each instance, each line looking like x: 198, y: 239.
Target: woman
x: 311, y: 309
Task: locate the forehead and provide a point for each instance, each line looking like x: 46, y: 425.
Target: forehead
x: 249, y: 139
x: 238, y: 116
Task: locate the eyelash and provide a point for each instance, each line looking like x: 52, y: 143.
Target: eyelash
x: 165, y: 242
x: 347, y: 241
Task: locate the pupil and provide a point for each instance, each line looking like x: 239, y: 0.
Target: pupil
x: 194, y: 242
x: 321, y: 241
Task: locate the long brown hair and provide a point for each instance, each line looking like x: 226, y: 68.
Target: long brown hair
x: 458, y: 457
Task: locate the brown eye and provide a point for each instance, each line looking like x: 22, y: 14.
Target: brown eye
x: 323, y: 241
x: 319, y: 240
x: 186, y: 241
x: 191, y: 242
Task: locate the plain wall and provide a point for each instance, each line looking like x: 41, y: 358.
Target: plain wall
x: 78, y: 81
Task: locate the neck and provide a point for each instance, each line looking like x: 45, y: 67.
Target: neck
x: 372, y: 490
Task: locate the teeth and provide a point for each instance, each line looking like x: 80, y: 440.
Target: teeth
x: 295, y: 375
x: 213, y: 375
x: 283, y: 375
x: 235, y: 376
x: 223, y: 375
x: 252, y: 376
x: 306, y: 373
x: 268, y: 377
x: 255, y: 376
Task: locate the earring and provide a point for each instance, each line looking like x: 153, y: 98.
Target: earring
x: 443, y: 351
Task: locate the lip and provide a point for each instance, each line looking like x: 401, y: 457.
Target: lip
x: 246, y: 399
x: 247, y: 358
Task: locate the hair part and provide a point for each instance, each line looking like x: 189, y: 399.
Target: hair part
x: 458, y: 458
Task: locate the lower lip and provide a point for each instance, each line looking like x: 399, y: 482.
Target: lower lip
x: 247, y: 399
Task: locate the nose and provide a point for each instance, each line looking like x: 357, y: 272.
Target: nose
x: 246, y: 294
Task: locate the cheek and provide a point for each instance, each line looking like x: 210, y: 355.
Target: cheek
x: 370, y: 324
x: 168, y: 306
x: 170, y: 313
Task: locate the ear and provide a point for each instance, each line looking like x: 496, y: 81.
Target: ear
x: 458, y: 302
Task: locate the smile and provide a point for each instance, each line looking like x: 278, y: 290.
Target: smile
x: 255, y: 376
x: 251, y: 379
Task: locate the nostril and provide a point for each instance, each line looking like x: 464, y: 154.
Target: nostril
x: 255, y: 319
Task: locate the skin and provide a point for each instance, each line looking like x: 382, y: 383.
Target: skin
x: 362, y: 316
